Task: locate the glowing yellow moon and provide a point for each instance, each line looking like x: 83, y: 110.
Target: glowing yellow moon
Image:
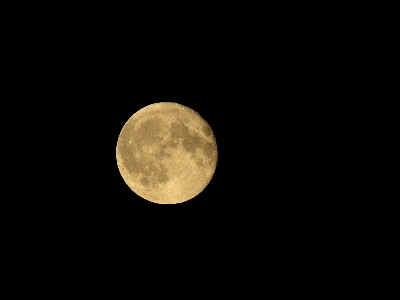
x: 166, y: 153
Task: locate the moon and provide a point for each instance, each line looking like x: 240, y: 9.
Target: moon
x: 166, y: 153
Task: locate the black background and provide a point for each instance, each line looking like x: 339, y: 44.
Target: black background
x: 257, y: 81
x: 268, y: 87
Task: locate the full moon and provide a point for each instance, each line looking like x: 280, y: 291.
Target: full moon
x: 166, y: 153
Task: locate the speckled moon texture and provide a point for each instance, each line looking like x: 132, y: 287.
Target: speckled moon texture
x: 167, y: 153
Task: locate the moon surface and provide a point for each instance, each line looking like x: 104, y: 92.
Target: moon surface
x: 167, y: 153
